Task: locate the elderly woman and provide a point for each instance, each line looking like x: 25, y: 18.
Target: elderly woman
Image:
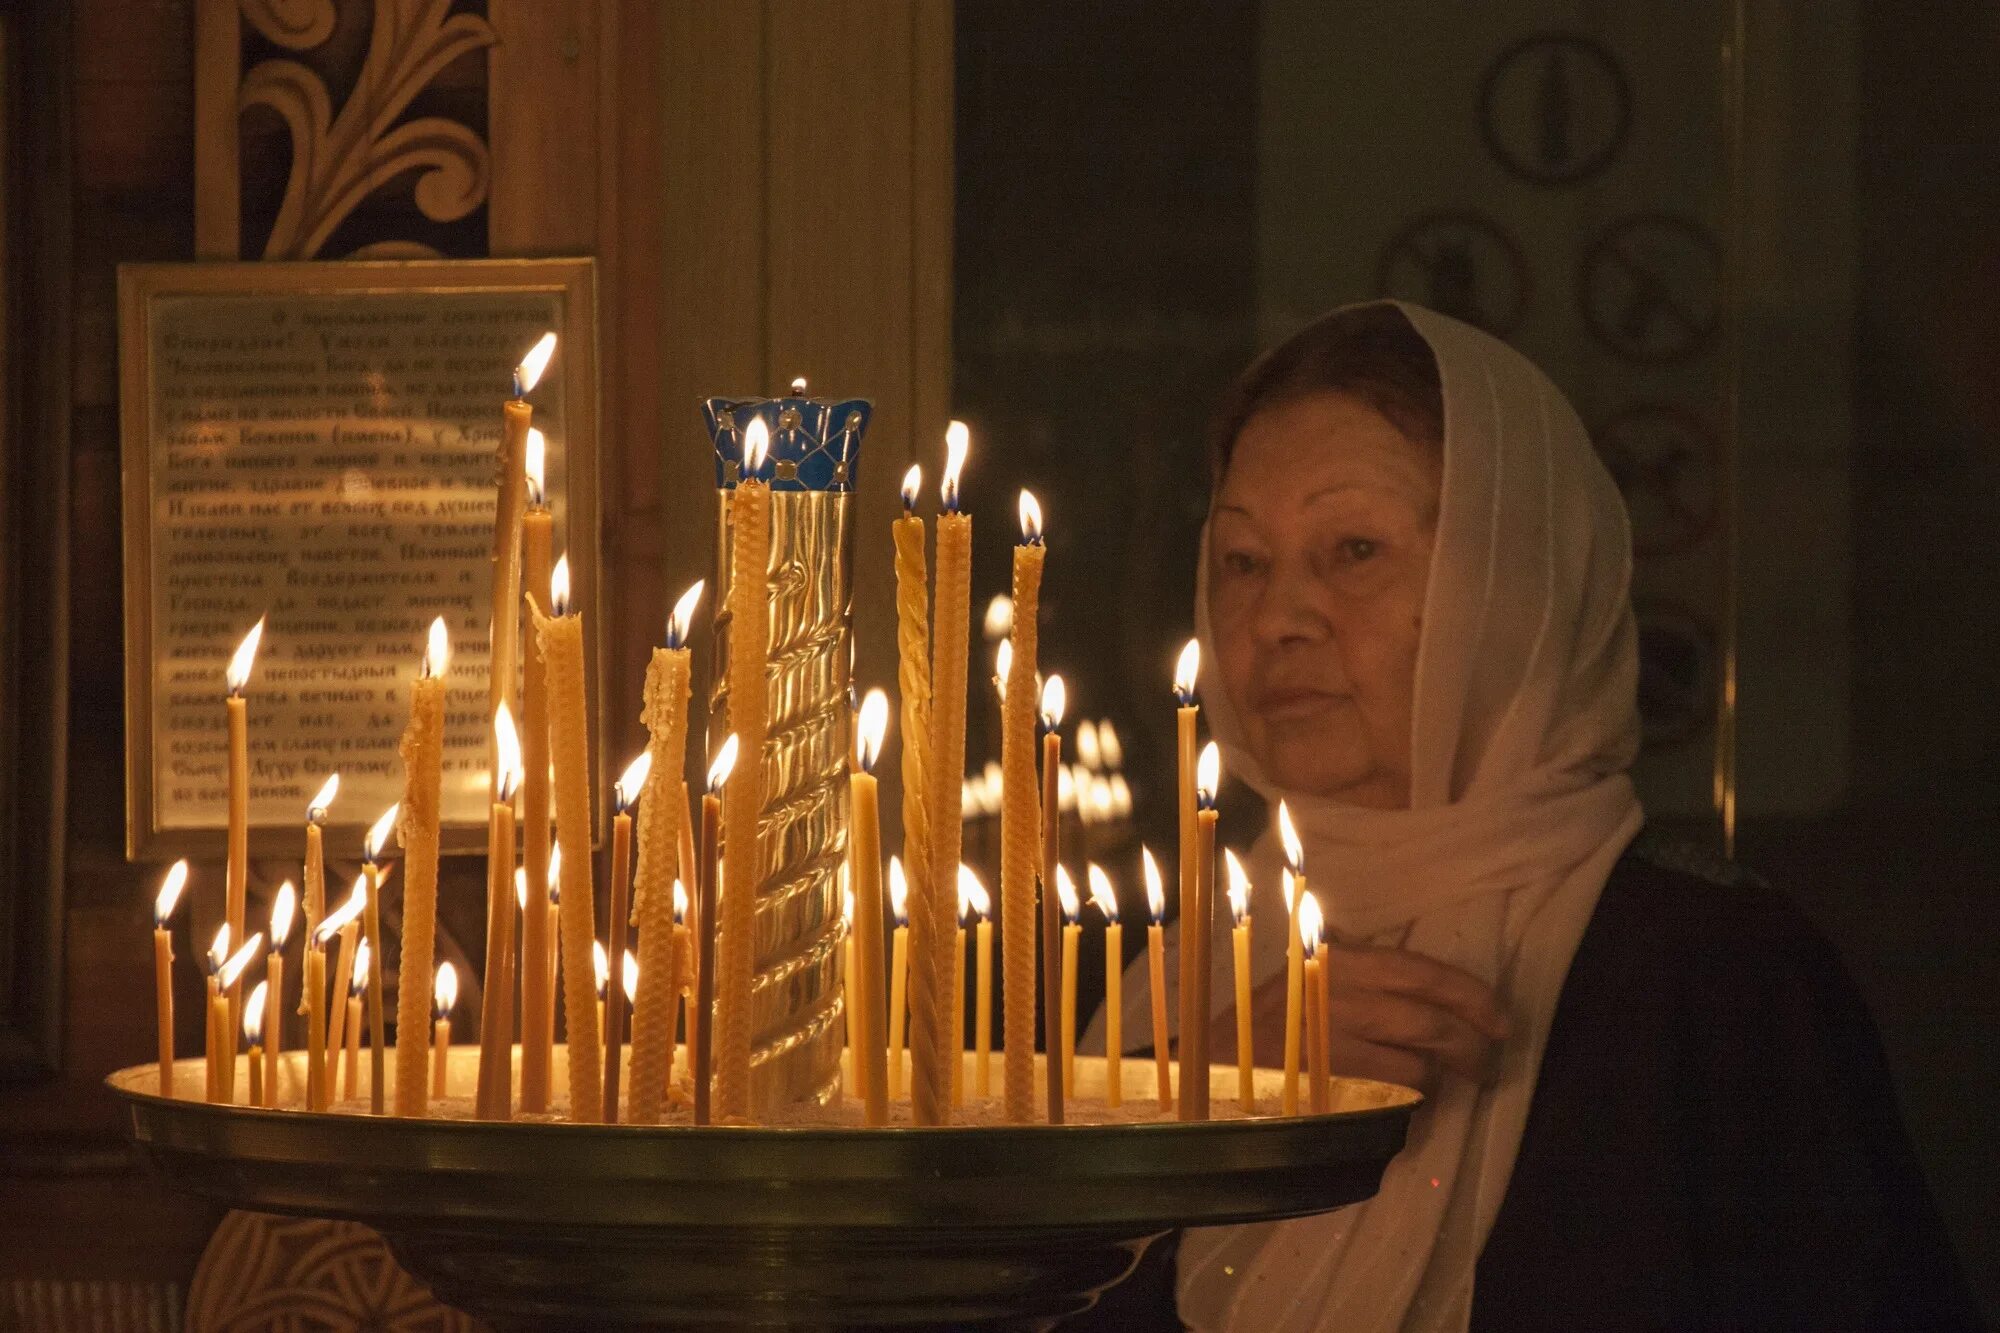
x: 1654, y: 1101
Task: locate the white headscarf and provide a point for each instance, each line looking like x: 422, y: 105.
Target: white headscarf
x: 1526, y: 720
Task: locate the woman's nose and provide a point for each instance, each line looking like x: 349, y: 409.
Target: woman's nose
x: 1287, y: 612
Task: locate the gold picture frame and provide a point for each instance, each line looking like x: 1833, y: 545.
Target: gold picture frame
x: 310, y: 441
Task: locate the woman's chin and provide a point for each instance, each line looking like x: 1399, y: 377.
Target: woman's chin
x: 1311, y: 766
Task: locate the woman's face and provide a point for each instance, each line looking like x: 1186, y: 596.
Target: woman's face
x: 1319, y: 553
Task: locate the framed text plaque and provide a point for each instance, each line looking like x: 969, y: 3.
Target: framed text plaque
x: 315, y: 443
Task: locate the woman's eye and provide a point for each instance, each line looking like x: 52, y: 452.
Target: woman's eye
x: 1240, y: 563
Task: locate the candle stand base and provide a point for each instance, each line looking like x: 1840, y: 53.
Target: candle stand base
x: 557, y: 1226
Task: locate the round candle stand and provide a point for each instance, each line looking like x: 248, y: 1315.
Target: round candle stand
x: 536, y: 1224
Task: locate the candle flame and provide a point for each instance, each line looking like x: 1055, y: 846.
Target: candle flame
x: 899, y: 891
x: 913, y: 482
x: 999, y: 617
x: 1003, y: 666
x: 600, y: 966
x: 846, y: 905
x: 872, y: 727
x: 529, y: 373
x: 169, y: 895
x: 631, y: 780
x: 680, y: 903
x: 1288, y: 837
x: 231, y: 970
x: 1102, y: 896
x: 1109, y: 745
x: 1187, y: 669
x: 559, y: 586
x: 1119, y: 794
x: 957, y: 444
x: 322, y: 800
x: 681, y: 622
x: 629, y: 969
x: 238, y: 674
x: 1065, y: 789
x: 1156, y: 891
x: 535, y: 463
x: 555, y: 875
x: 972, y: 895
x: 521, y: 887
x: 218, y: 950
x: 437, y: 650
x: 799, y: 387
x: 1071, y: 905
x: 336, y: 921
x: 1310, y: 922
x: 724, y: 764
x: 364, y: 961
x: 283, y: 907
x: 1087, y: 752
x: 507, y: 754
x: 756, y: 445
x: 1239, y: 887
x: 1031, y: 519
x: 1208, y: 775
x: 253, y: 1013
x: 445, y: 993
x: 378, y: 832
x: 1054, y: 698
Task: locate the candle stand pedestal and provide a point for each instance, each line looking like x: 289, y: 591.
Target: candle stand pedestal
x: 554, y: 1226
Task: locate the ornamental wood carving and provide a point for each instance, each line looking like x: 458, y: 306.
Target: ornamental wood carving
x: 263, y: 1272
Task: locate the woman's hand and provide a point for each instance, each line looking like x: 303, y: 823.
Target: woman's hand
x: 1397, y: 1016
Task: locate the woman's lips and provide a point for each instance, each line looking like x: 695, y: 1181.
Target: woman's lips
x: 1294, y: 701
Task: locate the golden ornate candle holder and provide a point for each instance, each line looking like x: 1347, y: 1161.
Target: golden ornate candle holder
x: 555, y: 1225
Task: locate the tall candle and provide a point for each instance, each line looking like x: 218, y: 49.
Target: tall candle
x: 443, y: 996
x: 1020, y: 827
x: 936, y: 1026
x: 495, y: 1089
x: 707, y: 901
x: 537, y: 929
x: 624, y: 794
x: 343, y: 974
x: 164, y: 903
x: 1186, y: 716
x: 1315, y: 1033
x: 850, y: 991
x: 1322, y: 1002
x: 1295, y: 887
x: 1072, y: 935
x: 925, y: 899
x: 211, y: 966
x: 560, y: 636
x: 1156, y: 967
x: 899, y: 966
x: 600, y: 975
x: 743, y: 797
x: 510, y: 502
x: 1058, y: 964
x: 662, y: 825
x: 554, y: 898
x: 284, y: 906
x: 319, y: 1069
x: 958, y: 994
x: 423, y: 781
x: 226, y: 980
x: 982, y: 1011
x: 1105, y: 899
x: 357, y: 989
x: 371, y: 928
x: 254, y: 1010
x: 864, y: 835
x: 236, y: 883
x: 1239, y: 937
x: 1197, y: 935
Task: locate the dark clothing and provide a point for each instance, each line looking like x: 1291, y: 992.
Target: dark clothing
x: 1713, y: 1141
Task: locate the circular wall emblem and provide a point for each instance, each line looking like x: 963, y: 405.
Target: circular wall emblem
x: 1459, y: 264
x: 1678, y: 672
x: 1650, y: 288
x: 1668, y: 466
x: 1554, y: 108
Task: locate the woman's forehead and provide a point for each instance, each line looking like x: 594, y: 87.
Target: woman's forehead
x: 1294, y: 454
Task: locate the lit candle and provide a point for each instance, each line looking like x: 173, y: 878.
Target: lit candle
x: 443, y: 996
x: 1239, y: 912
x: 212, y: 1039
x: 560, y: 636
x: 1072, y: 935
x: 624, y: 793
x: 936, y: 1032
x: 226, y: 980
x: 702, y: 1057
x: 1187, y: 714
x: 1105, y: 899
x: 681, y: 992
x: 958, y: 994
x: 1156, y: 966
x: 423, y: 783
x: 662, y: 826
x: 1315, y: 1033
x: 1197, y: 935
x: 1020, y: 826
x: 495, y: 1093
x: 164, y: 903
x: 508, y: 519
x: 982, y: 1014
x: 236, y: 882
x: 864, y: 848
x: 318, y: 1070
x: 1058, y: 961
x: 253, y: 1027
x: 850, y: 990
x: 925, y: 900
x: 538, y: 936
x: 600, y: 972
x: 377, y: 842
x: 899, y: 965
x: 1295, y: 887
x: 553, y: 875
x: 351, y: 1066
x: 343, y: 974
x: 315, y: 869
x: 284, y: 906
